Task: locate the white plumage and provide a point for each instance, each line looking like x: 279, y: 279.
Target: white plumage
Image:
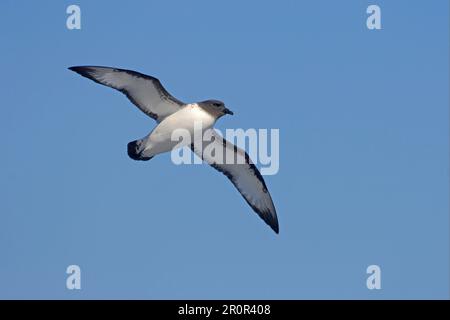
x: 150, y: 97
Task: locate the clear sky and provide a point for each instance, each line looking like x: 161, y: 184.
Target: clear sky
x: 364, y: 151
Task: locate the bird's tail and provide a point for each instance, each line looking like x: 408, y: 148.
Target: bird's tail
x: 136, y: 150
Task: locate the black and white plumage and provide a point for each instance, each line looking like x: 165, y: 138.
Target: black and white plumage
x: 242, y: 173
x: 149, y: 96
x: 144, y: 91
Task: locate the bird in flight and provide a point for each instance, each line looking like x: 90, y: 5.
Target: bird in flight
x: 147, y: 93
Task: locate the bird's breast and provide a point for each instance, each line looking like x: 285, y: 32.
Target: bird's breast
x: 192, y: 115
x: 190, y: 118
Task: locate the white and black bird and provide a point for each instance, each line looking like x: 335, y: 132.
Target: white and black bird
x: 147, y: 93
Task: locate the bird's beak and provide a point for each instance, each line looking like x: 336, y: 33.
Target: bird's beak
x: 228, y: 111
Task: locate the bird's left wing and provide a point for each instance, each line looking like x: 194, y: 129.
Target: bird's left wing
x: 235, y: 163
x: 146, y: 92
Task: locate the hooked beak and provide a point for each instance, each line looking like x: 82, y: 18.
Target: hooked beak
x: 228, y: 111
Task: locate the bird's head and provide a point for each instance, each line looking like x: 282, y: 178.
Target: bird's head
x: 215, y: 107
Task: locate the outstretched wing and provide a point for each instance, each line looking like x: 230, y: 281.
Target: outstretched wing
x: 235, y: 163
x: 144, y: 91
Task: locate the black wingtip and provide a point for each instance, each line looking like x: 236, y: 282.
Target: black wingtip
x: 79, y: 70
x: 275, y: 227
x: 269, y: 218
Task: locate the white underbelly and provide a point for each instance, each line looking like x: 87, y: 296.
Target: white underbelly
x: 188, y: 119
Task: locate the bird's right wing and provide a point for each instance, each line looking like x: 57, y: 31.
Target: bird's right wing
x: 146, y: 92
x: 236, y: 165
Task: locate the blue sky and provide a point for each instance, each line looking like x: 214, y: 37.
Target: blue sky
x: 364, y: 159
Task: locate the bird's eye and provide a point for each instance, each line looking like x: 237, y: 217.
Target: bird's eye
x: 217, y: 104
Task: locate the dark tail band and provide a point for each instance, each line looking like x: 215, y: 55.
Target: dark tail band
x: 134, y: 151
